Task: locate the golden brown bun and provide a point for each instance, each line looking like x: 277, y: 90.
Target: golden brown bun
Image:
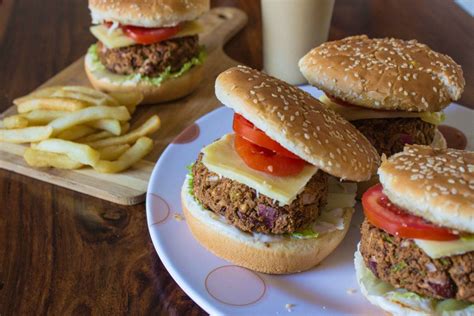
x: 147, y: 13
x: 170, y: 89
x: 436, y: 184
x: 384, y: 73
x: 278, y: 257
x: 299, y: 122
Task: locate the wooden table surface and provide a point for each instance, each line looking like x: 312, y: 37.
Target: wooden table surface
x: 62, y: 252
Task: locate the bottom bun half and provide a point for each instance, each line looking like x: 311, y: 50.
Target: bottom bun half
x: 168, y: 90
x: 281, y: 256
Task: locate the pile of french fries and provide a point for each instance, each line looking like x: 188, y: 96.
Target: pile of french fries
x: 70, y: 127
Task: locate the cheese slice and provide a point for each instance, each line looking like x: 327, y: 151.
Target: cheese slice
x: 438, y: 249
x: 220, y: 157
x: 189, y: 28
x: 111, y: 38
x: 360, y: 113
x: 115, y: 38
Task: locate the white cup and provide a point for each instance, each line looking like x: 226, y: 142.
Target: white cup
x: 290, y: 29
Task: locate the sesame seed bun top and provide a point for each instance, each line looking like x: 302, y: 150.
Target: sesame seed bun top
x: 147, y: 13
x: 436, y: 184
x: 384, y: 73
x: 298, y: 122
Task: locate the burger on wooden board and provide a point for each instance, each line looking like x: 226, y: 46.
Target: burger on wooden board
x: 393, y: 91
x: 151, y: 46
x: 416, y: 254
x: 270, y: 196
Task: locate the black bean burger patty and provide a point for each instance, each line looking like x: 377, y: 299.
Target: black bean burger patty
x: 389, y: 136
x: 403, y: 264
x: 252, y: 212
x: 149, y: 60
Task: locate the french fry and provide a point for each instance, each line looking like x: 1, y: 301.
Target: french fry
x: 128, y: 99
x: 40, y: 93
x: 76, y: 132
x: 125, y: 126
x: 93, y: 93
x: 26, y: 135
x: 41, y: 117
x: 73, y: 115
x: 140, y: 149
x: 15, y: 121
x: 79, y: 96
x: 89, y: 114
x: 44, y: 159
x: 110, y: 125
x: 77, y: 152
x: 149, y: 127
x: 94, y: 137
x: 52, y: 104
x: 112, y: 152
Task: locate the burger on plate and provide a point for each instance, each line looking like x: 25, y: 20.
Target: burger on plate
x: 393, y: 91
x: 269, y: 196
x: 416, y: 254
x: 150, y: 46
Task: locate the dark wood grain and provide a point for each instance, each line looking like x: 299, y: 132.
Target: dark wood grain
x: 62, y: 252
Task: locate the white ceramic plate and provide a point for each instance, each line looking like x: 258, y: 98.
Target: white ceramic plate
x: 220, y: 287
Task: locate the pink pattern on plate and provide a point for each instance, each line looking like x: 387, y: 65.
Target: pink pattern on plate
x: 160, y: 209
x: 234, y: 285
x: 188, y: 135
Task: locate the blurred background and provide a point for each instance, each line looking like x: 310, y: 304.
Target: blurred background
x: 42, y: 37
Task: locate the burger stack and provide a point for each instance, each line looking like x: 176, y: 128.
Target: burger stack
x: 271, y: 196
x: 393, y: 91
x: 147, y: 46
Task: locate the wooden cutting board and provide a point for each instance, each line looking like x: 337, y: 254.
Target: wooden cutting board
x: 129, y: 187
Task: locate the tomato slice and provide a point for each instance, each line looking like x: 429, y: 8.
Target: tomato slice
x: 265, y: 160
x: 383, y: 214
x: 146, y: 35
x: 247, y: 130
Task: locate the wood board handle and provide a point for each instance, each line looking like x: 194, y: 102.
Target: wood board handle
x: 222, y: 24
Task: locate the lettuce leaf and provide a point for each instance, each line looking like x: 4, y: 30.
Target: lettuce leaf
x: 434, y: 118
x: 98, y: 67
x: 305, y: 234
x: 327, y: 221
x: 467, y: 238
x: 190, y: 179
x: 410, y: 299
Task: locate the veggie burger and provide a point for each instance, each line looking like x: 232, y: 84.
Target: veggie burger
x: 270, y: 196
x: 151, y: 46
x: 416, y: 254
x: 393, y: 91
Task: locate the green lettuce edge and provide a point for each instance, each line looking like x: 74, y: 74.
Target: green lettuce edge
x: 96, y: 65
